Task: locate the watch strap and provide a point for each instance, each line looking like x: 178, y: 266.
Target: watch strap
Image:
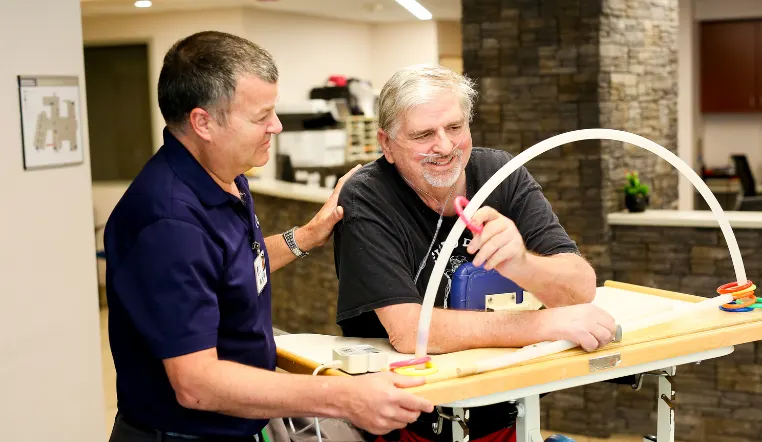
x: 291, y: 242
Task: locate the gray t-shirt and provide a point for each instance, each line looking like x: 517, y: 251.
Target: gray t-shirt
x: 387, y: 230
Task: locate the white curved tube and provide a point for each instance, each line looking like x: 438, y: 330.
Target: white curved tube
x: 424, y: 322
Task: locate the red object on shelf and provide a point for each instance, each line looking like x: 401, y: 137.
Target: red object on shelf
x: 338, y: 80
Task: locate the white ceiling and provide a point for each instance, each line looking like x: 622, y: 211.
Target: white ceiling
x: 355, y: 10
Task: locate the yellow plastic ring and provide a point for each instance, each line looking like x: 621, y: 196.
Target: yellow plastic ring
x: 430, y: 369
x: 737, y: 295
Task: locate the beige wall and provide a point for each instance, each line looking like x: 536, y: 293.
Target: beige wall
x: 687, y: 98
x: 50, y: 368
x: 400, y: 44
x: 449, y: 38
x: 450, y: 43
x: 310, y: 49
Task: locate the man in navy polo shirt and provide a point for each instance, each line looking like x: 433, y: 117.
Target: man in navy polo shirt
x: 188, y: 269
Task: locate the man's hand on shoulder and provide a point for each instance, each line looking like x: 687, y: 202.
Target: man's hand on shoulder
x: 319, y: 229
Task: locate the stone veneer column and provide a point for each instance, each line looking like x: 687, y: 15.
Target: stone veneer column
x: 638, y: 94
x: 544, y: 67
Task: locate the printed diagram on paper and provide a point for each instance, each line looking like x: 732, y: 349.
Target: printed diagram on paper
x: 54, y: 128
x: 51, y: 118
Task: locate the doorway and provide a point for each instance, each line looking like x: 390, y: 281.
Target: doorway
x: 119, y: 110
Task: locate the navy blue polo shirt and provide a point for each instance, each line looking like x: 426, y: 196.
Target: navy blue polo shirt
x: 180, y: 278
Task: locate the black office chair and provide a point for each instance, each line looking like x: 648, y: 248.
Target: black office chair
x: 748, y: 199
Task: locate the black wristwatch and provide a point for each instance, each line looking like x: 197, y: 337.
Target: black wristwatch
x: 289, y: 237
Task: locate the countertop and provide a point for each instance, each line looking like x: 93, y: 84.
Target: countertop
x: 726, y: 186
x: 685, y: 218
x: 285, y: 189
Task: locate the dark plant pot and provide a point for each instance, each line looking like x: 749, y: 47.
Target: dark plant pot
x: 636, y: 203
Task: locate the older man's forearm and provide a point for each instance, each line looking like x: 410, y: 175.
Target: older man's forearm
x: 456, y: 330
x: 556, y: 280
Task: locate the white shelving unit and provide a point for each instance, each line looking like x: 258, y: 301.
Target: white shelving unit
x: 361, y: 139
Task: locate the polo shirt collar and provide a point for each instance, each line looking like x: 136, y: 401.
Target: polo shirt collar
x: 190, y: 172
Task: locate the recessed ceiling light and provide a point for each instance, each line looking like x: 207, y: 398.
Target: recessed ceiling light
x: 416, y: 9
x: 143, y: 4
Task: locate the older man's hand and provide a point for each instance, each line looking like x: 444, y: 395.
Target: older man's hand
x: 587, y: 325
x: 500, y: 242
x: 319, y: 229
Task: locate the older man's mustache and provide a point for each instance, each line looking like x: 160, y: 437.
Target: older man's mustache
x: 436, y: 158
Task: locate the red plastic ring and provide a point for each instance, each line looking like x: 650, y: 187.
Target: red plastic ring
x: 733, y: 287
x: 409, y: 362
x: 459, y: 203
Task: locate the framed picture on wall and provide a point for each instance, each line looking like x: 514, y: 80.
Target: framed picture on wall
x: 51, y: 121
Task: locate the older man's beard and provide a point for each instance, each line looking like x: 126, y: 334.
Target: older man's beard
x: 444, y: 178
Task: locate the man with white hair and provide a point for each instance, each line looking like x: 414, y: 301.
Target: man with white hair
x: 398, y: 212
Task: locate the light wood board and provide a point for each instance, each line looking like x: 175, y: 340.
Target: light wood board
x: 622, y: 304
x: 302, y: 353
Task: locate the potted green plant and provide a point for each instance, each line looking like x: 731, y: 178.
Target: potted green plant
x: 636, y: 194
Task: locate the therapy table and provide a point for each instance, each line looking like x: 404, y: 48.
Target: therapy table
x: 656, y: 350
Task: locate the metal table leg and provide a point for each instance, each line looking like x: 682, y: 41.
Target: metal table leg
x: 528, y: 419
x: 460, y: 426
x: 665, y: 426
x: 665, y: 417
x: 459, y: 420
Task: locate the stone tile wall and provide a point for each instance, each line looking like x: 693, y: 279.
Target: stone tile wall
x: 638, y: 93
x: 536, y: 65
x: 304, y: 292
x: 545, y: 67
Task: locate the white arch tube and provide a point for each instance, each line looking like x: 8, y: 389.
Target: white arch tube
x: 519, y: 160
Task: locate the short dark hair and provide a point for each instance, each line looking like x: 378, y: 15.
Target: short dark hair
x: 201, y: 70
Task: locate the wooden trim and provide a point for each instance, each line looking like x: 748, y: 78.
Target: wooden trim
x: 296, y: 364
